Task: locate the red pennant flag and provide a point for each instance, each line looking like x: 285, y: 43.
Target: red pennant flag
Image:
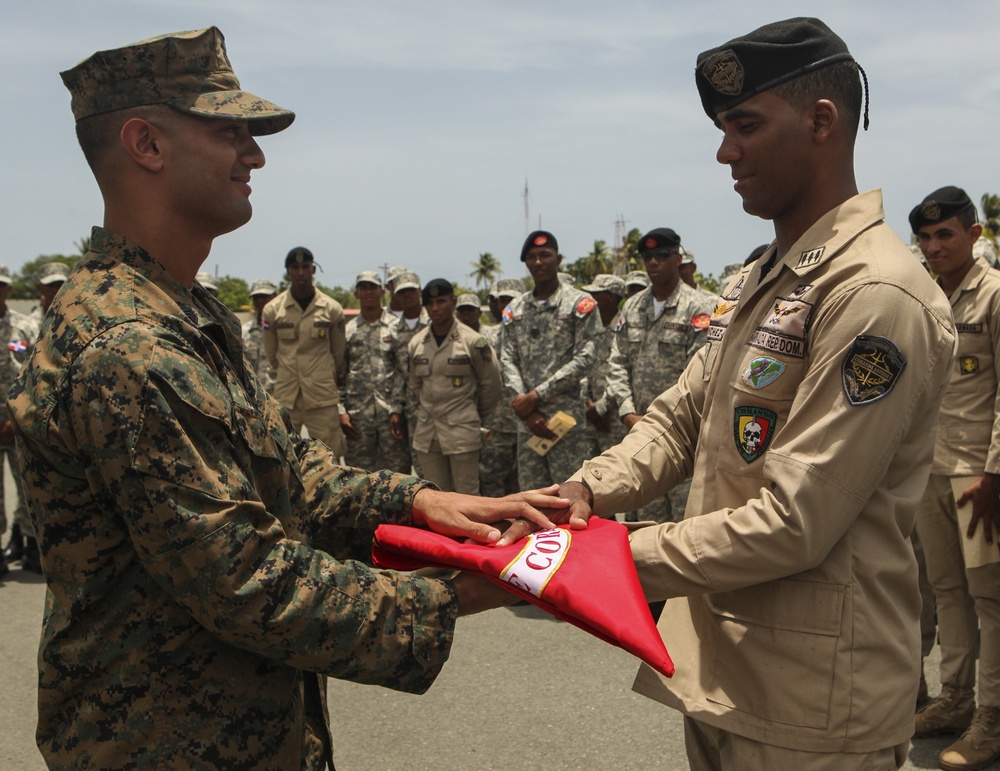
x: 585, y: 577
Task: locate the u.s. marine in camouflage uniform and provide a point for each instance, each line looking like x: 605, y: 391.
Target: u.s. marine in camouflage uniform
x: 371, y: 353
x: 262, y: 291
x: 498, y: 459
x: 189, y: 619
x: 653, y: 344
x: 548, y: 346
x: 18, y: 333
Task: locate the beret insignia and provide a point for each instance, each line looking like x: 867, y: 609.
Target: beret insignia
x: 650, y: 243
x: 931, y: 211
x: 724, y: 72
x: 540, y: 240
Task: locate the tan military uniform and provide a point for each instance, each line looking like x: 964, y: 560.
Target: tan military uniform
x: 454, y: 387
x: 794, y: 611
x: 965, y: 573
x: 306, y: 349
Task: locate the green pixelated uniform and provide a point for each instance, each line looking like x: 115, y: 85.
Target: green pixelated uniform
x: 190, y: 615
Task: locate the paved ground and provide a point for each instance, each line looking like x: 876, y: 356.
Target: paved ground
x: 521, y: 691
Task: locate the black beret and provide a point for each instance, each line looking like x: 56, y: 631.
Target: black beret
x: 755, y: 254
x: 943, y: 204
x: 759, y: 61
x: 658, y: 238
x: 299, y: 256
x: 437, y: 287
x: 539, y: 238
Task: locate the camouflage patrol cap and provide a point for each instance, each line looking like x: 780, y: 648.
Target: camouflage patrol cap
x: 52, y: 272
x: 566, y: 278
x: 507, y: 287
x: 943, y: 204
x: 207, y: 280
x: 406, y: 280
x: 687, y: 258
x: 370, y: 277
x: 263, y: 286
x: 5, y: 275
x: 394, y: 273
x: 637, y: 278
x: 605, y: 282
x: 765, y: 58
x: 984, y: 249
x: 189, y: 71
x: 468, y: 300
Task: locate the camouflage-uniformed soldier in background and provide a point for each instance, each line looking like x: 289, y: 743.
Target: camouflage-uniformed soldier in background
x: 454, y: 384
x: 262, y: 291
x: 193, y: 607
x: 658, y: 332
x: 371, y: 354
x: 686, y: 271
x: 304, y: 340
x: 207, y: 280
x: 548, y: 346
x: 18, y: 331
x: 468, y: 310
x: 498, y: 457
x: 412, y: 318
x: 394, y: 307
x: 635, y: 282
x: 604, y: 429
x: 51, y: 277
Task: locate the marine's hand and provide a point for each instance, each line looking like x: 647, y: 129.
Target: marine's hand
x: 456, y: 514
x: 476, y: 594
x: 576, y: 513
x: 985, y: 497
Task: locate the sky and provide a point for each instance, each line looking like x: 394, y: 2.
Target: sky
x: 419, y: 124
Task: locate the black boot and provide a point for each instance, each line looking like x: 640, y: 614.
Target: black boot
x: 31, y: 560
x: 15, y: 546
x: 3, y: 565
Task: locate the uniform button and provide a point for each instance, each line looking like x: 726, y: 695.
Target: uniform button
x: 597, y: 473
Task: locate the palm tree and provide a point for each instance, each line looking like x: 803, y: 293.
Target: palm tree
x: 485, y: 269
x: 991, y: 216
x: 599, y: 260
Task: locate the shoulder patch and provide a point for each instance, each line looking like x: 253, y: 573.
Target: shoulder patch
x: 507, y: 316
x: 871, y: 369
x: 762, y: 371
x: 586, y: 305
x: 701, y: 320
x: 481, y: 343
x: 619, y: 324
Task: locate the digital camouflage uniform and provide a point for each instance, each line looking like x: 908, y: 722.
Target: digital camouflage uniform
x: 396, y: 384
x: 498, y: 457
x: 187, y: 611
x: 594, y: 388
x: 18, y: 332
x: 253, y: 349
x: 647, y: 356
x: 371, y: 353
x: 548, y: 348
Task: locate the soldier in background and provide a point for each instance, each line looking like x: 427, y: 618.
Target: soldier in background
x: 659, y: 331
x: 304, y: 340
x: 454, y: 384
x: 635, y: 282
x: 371, y: 354
x: 548, y: 346
x: 262, y: 291
x: 390, y: 285
x: 498, y: 457
x: 413, y: 318
x: 51, y: 277
x: 468, y: 310
x: 686, y: 271
x: 603, y: 426
x: 18, y: 331
x: 207, y: 280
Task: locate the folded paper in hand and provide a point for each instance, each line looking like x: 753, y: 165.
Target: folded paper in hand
x: 558, y: 424
x: 585, y: 577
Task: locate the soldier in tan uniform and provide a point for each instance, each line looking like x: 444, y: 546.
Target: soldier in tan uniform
x: 791, y: 594
x: 454, y: 385
x: 959, y: 517
x: 262, y: 291
x: 305, y: 343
